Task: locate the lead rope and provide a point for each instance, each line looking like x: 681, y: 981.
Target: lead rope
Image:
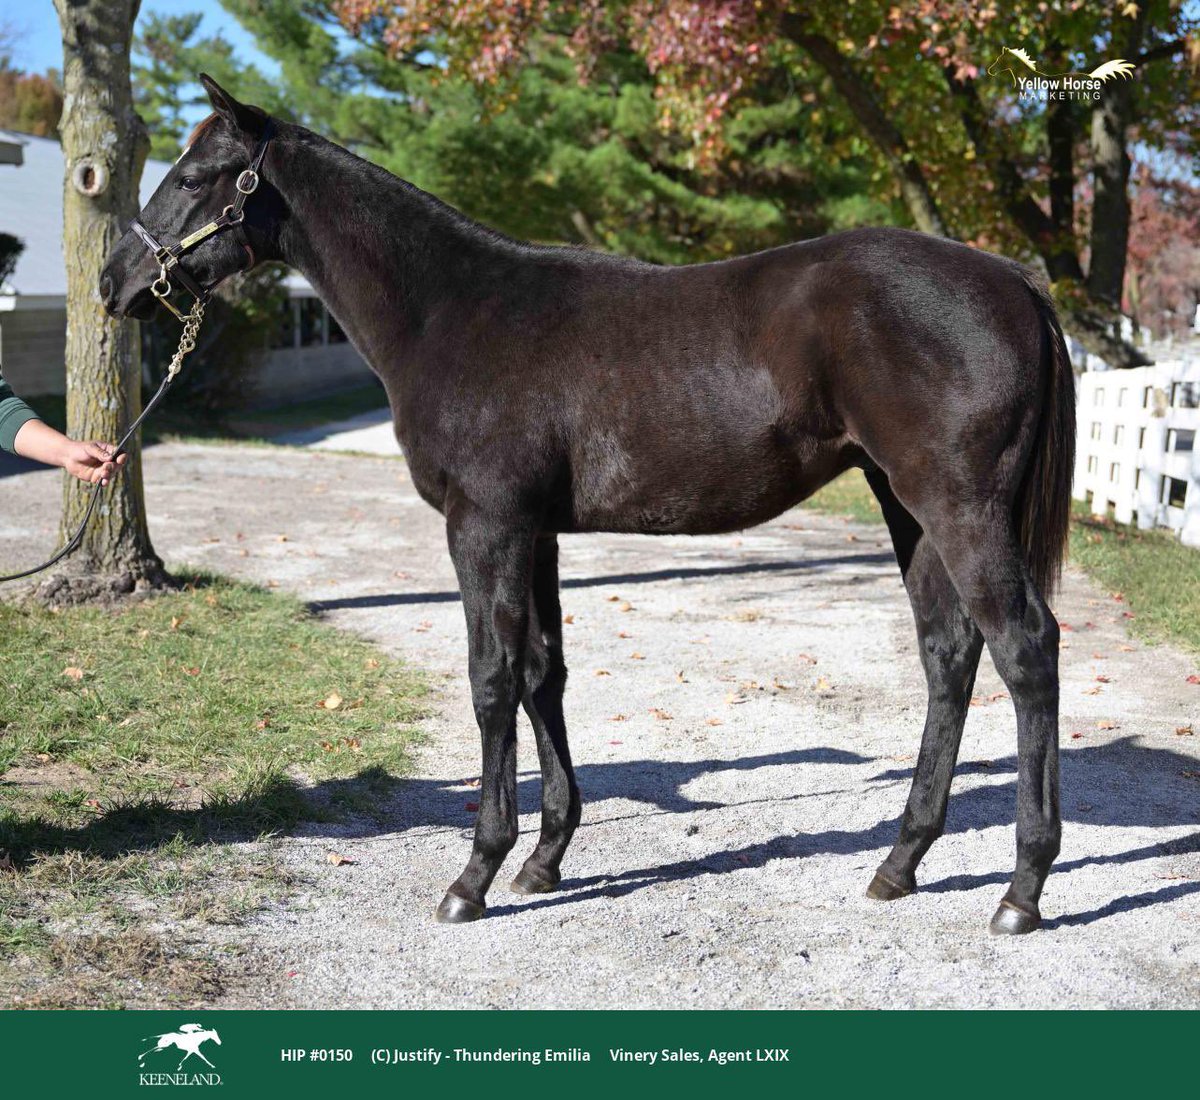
x: 187, y: 344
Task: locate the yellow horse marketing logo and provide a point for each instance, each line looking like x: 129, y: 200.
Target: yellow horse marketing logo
x: 187, y: 1041
x: 1033, y: 84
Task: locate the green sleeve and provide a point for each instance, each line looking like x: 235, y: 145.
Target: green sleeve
x: 14, y: 414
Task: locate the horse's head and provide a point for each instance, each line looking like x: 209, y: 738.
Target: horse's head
x: 214, y: 1037
x: 1000, y: 64
x: 201, y: 186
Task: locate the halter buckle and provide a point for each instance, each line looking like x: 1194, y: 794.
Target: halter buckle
x: 247, y: 182
x: 232, y: 215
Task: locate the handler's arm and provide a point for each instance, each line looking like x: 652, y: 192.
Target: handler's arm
x: 21, y: 432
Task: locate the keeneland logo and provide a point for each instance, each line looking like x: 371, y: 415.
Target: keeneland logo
x: 188, y: 1040
x: 1040, y: 86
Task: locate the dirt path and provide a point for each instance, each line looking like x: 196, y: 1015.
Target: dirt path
x: 737, y: 794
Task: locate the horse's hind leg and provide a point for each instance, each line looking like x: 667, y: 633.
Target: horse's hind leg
x: 950, y: 645
x: 545, y: 681
x: 981, y: 554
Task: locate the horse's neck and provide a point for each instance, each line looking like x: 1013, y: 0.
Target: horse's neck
x: 381, y: 253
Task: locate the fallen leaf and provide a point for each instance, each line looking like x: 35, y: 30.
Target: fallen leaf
x: 619, y: 718
x: 624, y: 634
x: 614, y: 599
x: 1099, y: 657
x: 326, y: 745
x: 660, y: 714
x: 734, y: 698
x: 603, y: 672
x: 1103, y: 679
x: 568, y: 619
x: 352, y: 743
x: 616, y: 742
x: 262, y: 723
x: 1193, y: 679
x: 823, y: 685
x: 1108, y: 724
x: 625, y: 605
x: 339, y: 860
x: 73, y: 673
x: 996, y: 696
x: 804, y: 658
x: 1093, y: 691
x: 1184, y: 731
x: 94, y: 803
x: 371, y: 663
x: 852, y: 538
x: 211, y: 600
x: 1128, y: 615
x: 192, y: 670
x: 1076, y: 736
x: 283, y: 538
x: 332, y: 701
x: 175, y: 621
x: 680, y: 678
x: 45, y: 757
x: 713, y: 722
x: 471, y: 807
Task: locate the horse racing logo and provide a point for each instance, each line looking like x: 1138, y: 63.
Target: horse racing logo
x: 189, y: 1038
x: 1042, y: 86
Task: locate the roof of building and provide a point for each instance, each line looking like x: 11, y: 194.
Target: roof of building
x: 31, y: 209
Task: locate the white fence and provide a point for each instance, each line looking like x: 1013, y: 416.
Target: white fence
x: 1138, y: 449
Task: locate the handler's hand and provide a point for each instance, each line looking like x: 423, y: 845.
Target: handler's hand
x: 91, y: 461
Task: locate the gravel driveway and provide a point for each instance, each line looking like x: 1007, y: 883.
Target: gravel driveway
x: 745, y: 712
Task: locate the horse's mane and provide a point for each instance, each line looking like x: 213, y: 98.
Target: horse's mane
x: 197, y: 130
x: 1022, y: 56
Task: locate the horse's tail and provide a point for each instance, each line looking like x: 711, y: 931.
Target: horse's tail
x: 1042, y: 510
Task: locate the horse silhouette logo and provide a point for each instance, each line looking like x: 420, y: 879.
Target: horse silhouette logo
x: 189, y: 1038
x: 1014, y: 61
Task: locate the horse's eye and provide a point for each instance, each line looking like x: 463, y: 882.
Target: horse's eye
x: 189, y: 183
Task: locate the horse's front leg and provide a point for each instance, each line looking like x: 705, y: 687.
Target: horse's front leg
x: 492, y: 557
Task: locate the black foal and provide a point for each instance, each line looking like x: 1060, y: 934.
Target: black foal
x: 540, y: 391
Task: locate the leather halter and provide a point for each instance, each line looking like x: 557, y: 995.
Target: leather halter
x: 167, y: 256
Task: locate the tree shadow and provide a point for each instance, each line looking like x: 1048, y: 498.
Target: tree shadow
x: 650, y: 576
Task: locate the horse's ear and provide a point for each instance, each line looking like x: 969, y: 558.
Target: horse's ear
x: 249, y: 120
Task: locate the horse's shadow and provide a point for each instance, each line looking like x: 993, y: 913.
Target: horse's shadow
x: 1118, y: 784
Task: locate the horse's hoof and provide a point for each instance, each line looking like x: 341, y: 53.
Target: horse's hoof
x: 527, y: 882
x: 456, y: 910
x: 883, y: 889
x: 1013, y: 921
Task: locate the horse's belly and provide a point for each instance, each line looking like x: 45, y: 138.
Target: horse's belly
x: 697, y: 492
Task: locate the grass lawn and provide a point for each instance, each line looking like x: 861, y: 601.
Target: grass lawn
x: 1158, y: 576
x: 135, y: 745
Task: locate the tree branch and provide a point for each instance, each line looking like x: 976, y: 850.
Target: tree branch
x: 865, y: 101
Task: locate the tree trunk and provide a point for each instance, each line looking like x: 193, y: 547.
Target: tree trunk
x: 104, y: 147
x: 1110, y: 173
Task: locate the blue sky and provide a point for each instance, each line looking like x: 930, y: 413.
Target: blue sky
x: 39, y: 46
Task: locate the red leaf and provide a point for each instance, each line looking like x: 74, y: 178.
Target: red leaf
x: 472, y: 807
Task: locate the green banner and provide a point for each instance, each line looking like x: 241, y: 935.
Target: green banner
x: 369, y: 1054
